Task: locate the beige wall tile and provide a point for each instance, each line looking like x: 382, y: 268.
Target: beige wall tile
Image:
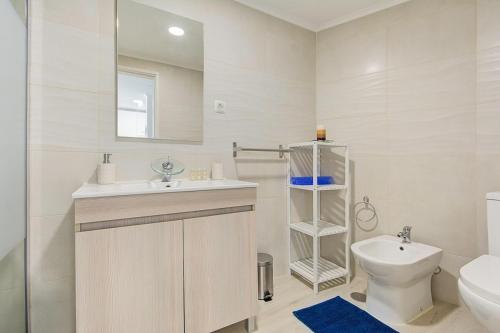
x: 52, y: 247
x: 444, y: 285
x: 364, y: 134
x: 352, y: 49
x: 272, y: 231
x: 63, y: 119
x: 434, y: 194
x: 488, y: 24
x: 356, y: 96
x: 488, y: 124
x: 106, y: 64
x: 289, y: 47
x: 54, y: 176
x: 417, y: 29
x: 63, y: 56
x: 297, y: 96
x: 488, y: 180
x: 439, y: 84
x: 106, y: 14
x: 79, y: 14
x: 370, y: 175
x: 268, y: 172
x: 433, y: 209
x: 488, y: 112
x: 245, y: 48
x: 488, y: 74
x: 420, y: 131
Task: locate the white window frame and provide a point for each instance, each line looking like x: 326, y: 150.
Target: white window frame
x: 152, y: 123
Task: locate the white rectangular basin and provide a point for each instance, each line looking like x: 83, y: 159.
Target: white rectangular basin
x: 150, y: 187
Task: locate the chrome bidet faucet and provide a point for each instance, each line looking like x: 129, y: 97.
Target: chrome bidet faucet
x: 405, y: 234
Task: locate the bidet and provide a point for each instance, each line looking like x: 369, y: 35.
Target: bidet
x: 399, y: 276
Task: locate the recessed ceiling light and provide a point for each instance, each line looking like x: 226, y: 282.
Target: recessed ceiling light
x: 176, y: 31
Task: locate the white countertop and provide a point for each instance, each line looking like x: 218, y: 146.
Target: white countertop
x: 150, y: 187
x: 493, y: 196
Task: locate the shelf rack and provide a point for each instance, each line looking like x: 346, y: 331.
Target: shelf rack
x: 317, y: 269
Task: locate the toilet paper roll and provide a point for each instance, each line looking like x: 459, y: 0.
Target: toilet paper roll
x: 217, y: 171
x: 106, y: 173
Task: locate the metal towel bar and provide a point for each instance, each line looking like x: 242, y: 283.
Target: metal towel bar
x: 280, y: 150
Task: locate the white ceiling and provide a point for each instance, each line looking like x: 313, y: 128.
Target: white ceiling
x: 317, y: 15
x: 143, y: 33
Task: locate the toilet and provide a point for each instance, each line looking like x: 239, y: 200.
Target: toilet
x: 479, y: 282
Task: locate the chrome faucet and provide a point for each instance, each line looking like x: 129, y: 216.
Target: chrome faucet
x: 405, y: 234
x: 167, y: 169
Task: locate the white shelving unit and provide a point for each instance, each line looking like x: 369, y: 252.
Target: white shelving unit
x: 317, y: 269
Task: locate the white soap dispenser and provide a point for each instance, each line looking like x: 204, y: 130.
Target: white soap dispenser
x: 106, y: 171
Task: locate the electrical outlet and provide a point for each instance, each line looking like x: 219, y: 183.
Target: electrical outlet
x: 220, y: 107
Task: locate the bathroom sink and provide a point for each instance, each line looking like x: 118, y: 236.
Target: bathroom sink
x: 151, y: 187
x: 165, y: 185
x: 197, y: 185
x: 399, y: 283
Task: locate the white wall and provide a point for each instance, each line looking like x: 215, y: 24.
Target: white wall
x: 262, y: 67
x: 400, y: 87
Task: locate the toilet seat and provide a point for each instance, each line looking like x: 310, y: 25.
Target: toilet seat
x: 481, y: 276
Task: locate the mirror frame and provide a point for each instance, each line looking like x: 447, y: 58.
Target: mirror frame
x: 115, y: 107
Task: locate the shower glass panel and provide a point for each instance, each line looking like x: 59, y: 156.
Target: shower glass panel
x: 13, y: 34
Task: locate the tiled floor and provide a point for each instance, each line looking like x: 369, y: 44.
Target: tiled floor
x: 291, y: 294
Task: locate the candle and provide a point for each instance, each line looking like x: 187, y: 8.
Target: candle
x: 321, y: 133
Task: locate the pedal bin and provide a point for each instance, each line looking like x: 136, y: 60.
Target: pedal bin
x: 265, y: 276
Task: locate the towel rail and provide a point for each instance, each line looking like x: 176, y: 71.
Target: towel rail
x: 280, y: 150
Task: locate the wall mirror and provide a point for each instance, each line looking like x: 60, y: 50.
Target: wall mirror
x: 159, y: 83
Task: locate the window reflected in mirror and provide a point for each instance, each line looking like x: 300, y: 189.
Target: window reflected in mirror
x: 136, y: 104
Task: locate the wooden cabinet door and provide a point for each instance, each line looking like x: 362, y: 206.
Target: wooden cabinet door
x: 130, y: 279
x: 220, y: 271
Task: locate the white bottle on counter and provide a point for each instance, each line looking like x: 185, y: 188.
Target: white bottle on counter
x: 106, y: 171
x: 217, y: 171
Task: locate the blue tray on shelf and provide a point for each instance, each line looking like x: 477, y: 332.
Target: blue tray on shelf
x: 322, y: 180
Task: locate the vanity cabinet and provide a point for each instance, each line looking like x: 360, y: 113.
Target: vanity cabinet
x: 130, y: 279
x: 169, y: 262
x: 219, y: 270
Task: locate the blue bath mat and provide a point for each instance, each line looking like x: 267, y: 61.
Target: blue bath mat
x: 339, y: 316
